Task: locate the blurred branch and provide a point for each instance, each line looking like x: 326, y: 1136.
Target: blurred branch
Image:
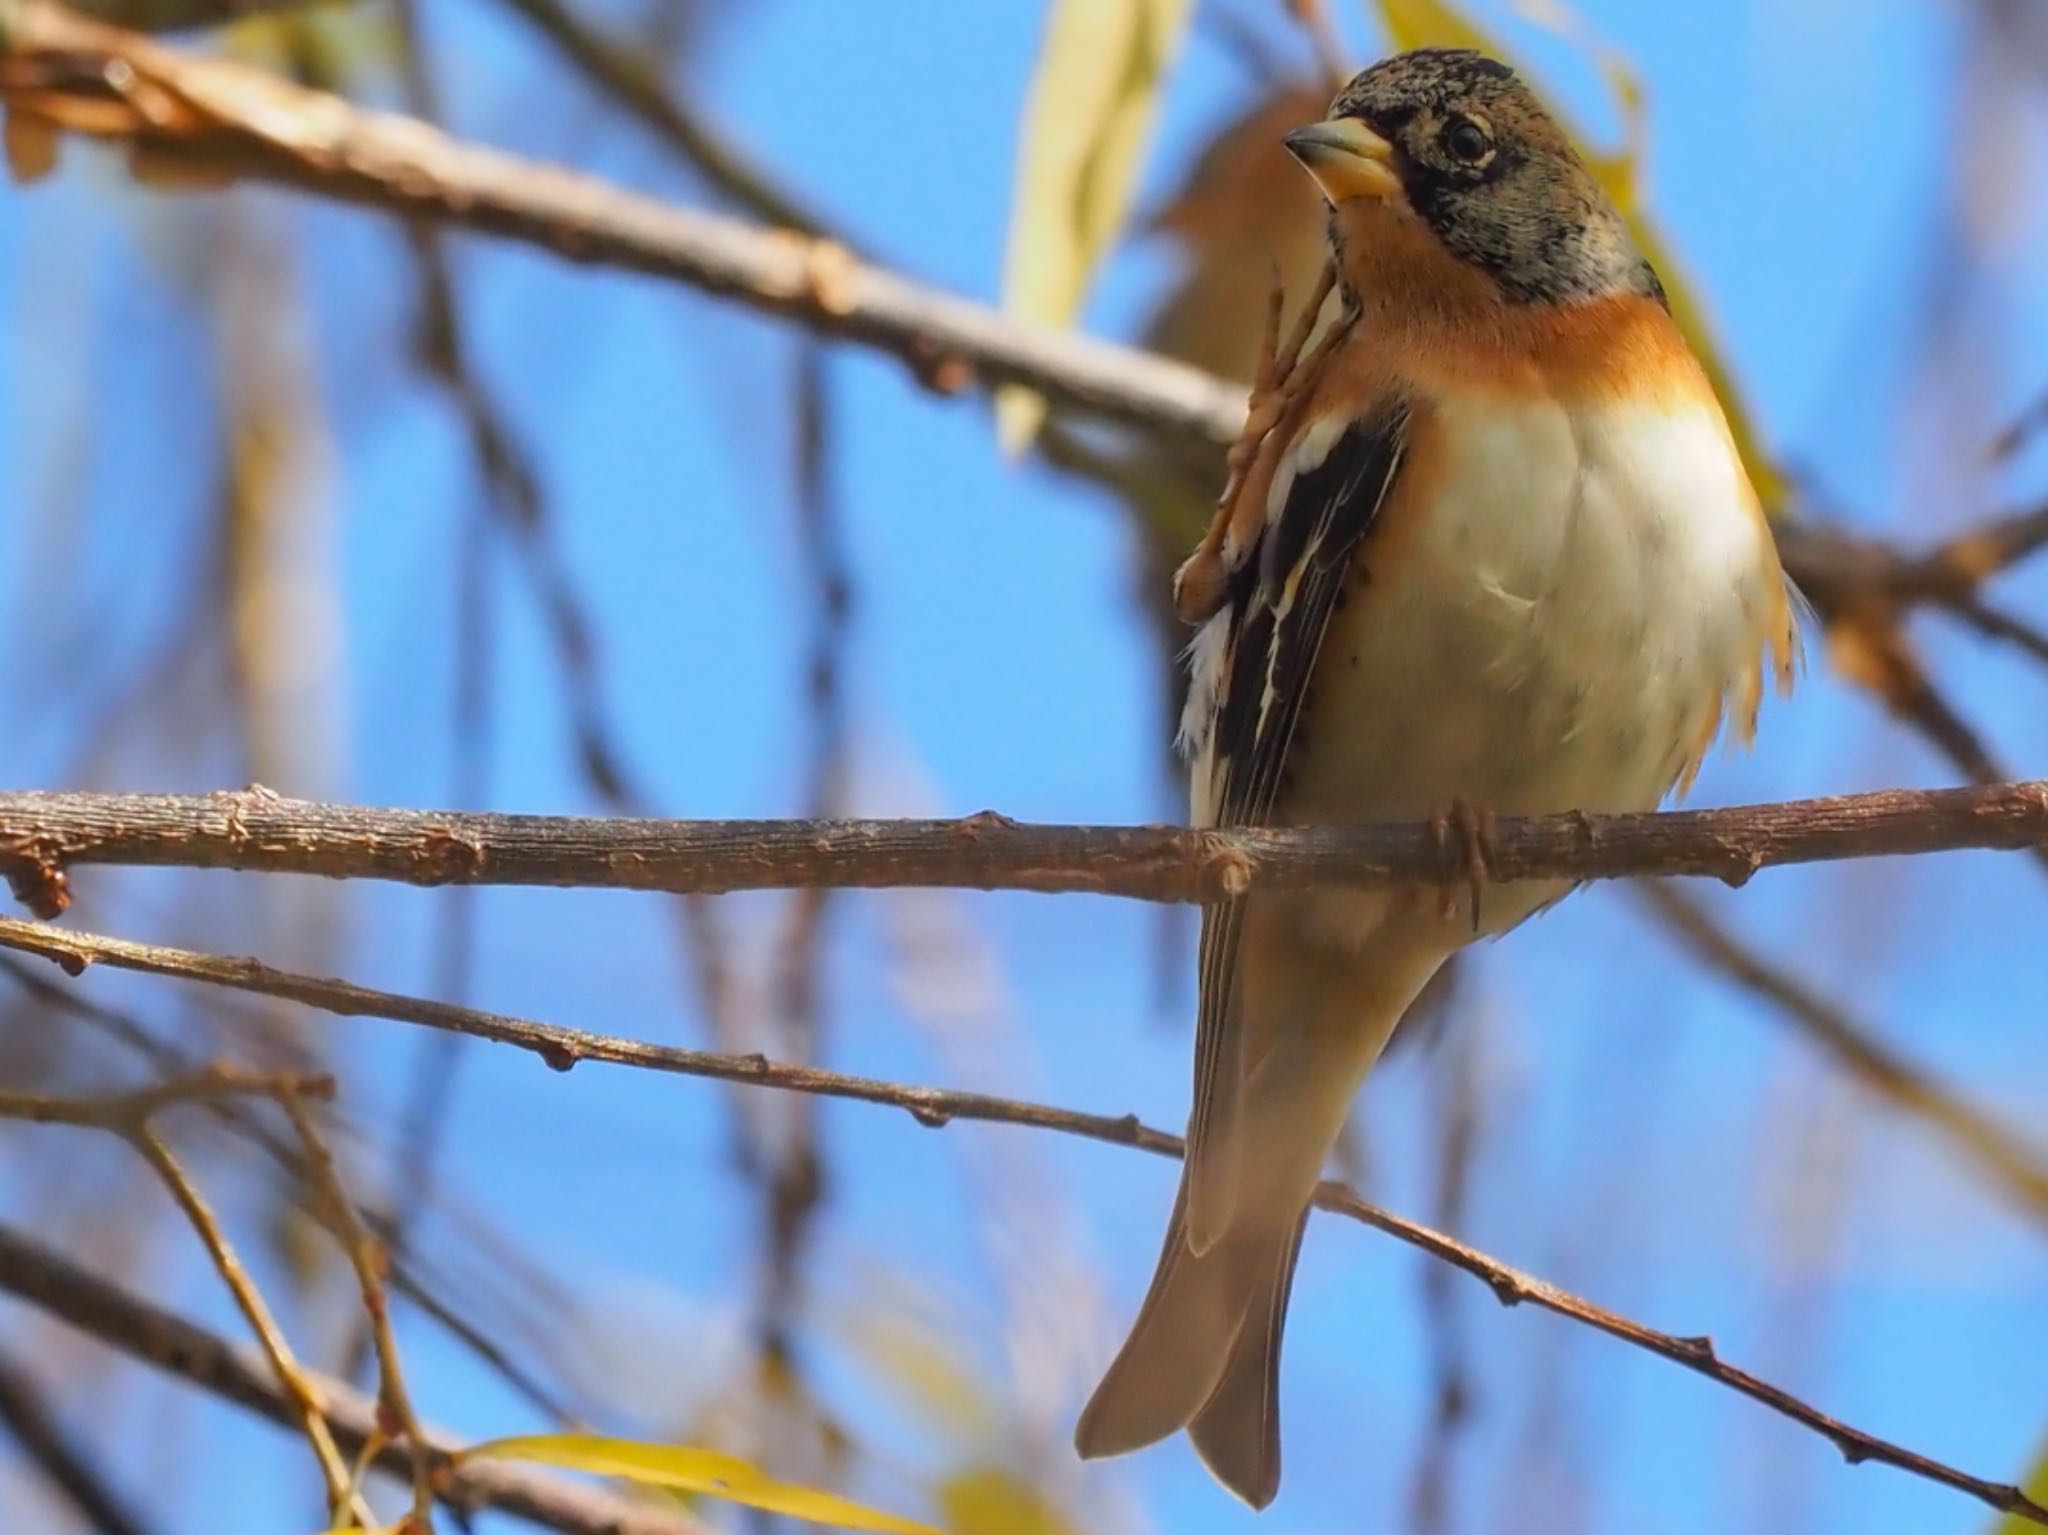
x: 2023, y: 429
x: 1834, y: 565
x: 563, y: 1048
x: 44, y: 834
x: 188, y: 118
x: 792, y: 1171
x: 516, y: 509
x: 1994, y: 623
x: 27, y: 1418
x: 621, y: 73
x: 205, y: 118
x: 510, y: 495
x: 202, y: 118
x: 131, y: 1116
x: 2015, y: 1166
x: 1863, y: 591
x: 55, y: 1284
x: 1964, y: 562
x: 1249, y: 45
x: 405, y: 1275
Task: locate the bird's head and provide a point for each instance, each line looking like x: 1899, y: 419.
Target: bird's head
x: 1445, y: 150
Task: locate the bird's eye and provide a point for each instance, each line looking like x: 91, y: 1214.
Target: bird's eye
x: 1467, y: 141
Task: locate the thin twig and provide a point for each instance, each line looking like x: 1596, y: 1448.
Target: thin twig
x: 89, y: 1302
x: 168, y: 1060
x: 342, y: 1493
x: 130, y: 1116
x: 563, y: 1048
x: 366, y: 1258
x: 43, y: 835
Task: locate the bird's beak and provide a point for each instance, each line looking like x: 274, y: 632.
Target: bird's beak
x: 1346, y: 158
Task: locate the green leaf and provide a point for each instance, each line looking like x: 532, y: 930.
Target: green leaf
x: 692, y: 1470
x: 1437, y: 23
x: 1093, y: 99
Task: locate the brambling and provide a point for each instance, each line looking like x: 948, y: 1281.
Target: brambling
x: 1508, y: 557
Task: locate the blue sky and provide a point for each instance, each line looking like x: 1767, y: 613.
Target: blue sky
x: 1647, y: 1136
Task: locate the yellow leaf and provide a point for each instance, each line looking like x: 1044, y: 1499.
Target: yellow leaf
x: 1093, y: 98
x: 692, y: 1470
x: 987, y: 1500
x: 2035, y: 1487
x: 1437, y: 23
x: 1430, y: 24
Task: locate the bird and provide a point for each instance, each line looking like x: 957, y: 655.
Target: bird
x: 1509, y: 562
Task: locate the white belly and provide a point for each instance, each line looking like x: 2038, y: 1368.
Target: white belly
x: 1558, y: 633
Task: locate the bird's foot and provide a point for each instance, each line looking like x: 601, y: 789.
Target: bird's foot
x: 1464, y: 836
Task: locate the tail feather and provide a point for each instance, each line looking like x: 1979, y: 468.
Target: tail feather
x: 1237, y: 1430
x: 1174, y: 1355
x: 1209, y: 1330
x: 1204, y: 1353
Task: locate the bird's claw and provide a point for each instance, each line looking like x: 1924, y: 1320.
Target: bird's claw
x: 1472, y: 830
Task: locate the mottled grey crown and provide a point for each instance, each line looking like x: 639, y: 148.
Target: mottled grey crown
x: 1530, y: 214
x: 1394, y: 90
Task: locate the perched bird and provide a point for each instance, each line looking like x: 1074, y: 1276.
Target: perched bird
x: 1509, y: 561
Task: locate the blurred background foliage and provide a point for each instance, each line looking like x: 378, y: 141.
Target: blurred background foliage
x: 294, y: 495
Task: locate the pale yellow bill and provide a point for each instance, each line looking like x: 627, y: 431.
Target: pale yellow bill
x: 1346, y: 158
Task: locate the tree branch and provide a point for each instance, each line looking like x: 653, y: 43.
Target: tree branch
x: 131, y: 1116
x: 407, y: 1275
x: 43, y: 835
x: 27, y: 1418
x: 53, y: 1283
x: 191, y: 116
x: 622, y: 74
x: 563, y: 1048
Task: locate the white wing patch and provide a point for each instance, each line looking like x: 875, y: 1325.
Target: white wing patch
x: 1306, y: 452
x: 1208, y: 658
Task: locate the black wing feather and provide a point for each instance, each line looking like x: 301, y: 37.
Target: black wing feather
x: 1280, y: 611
